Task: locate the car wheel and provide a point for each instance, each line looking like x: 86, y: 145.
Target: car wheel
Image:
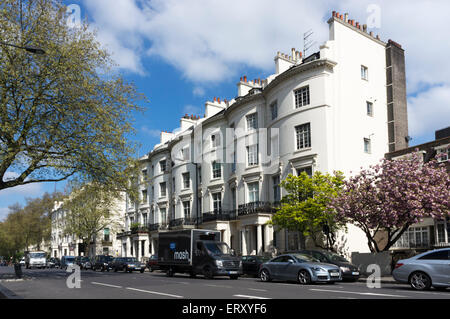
x: 265, y: 276
x: 304, y: 277
x: 151, y: 269
x: 420, y: 281
x: 234, y: 277
x: 192, y: 275
x: 170, y: 272
x: 207, y: 272
x: 115, y: 269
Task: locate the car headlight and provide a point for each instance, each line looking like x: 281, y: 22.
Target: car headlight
x: 345, y: 269
x: 318, y: 269
x: 219, y: 263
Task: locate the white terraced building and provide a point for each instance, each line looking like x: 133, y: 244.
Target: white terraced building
x: 341, y: 108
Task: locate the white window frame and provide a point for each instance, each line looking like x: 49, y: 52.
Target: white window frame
x: 253, y: 193
x: 302, y: 97
x: 369, y: 108
x: 161, y: 189
x: 364, y: 73
x: 186, y: 207
x: 216, y: 198
x: 303, y: 138
x: 186, y: 181
x: 252, y: 121
x: 252, y: 155
x: 216, y: 170
x: 367, y: 145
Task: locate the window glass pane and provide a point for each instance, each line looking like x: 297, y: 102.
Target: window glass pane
x: 303, y: 136
x: 301, y: 97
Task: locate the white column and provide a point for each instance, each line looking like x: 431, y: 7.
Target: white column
x: 244, y: 241
x: 259, y: 243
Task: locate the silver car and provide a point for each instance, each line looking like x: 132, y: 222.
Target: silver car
x: 425, y: 270
x: 301, y: 268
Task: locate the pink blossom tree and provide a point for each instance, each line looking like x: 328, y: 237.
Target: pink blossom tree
x: 386, y: 199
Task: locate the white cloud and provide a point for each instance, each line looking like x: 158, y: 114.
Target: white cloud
x: 212, y: 41
x: 198, y: 91
x: 151, y: 132
x: 429, y: 111
x: 4, y: 211
x: 191, y: 109
x: 27, y: 190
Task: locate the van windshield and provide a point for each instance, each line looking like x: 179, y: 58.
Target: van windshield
x: 37, y: 255
x: 218, y: 248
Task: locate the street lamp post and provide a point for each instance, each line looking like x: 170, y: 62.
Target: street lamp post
x: 28, y: 49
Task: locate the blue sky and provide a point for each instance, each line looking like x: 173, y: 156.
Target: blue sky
x: 182, y: 53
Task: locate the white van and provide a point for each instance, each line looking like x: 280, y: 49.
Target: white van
x: 35, y: 259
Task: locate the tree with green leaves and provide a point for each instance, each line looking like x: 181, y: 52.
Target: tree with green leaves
x: 27, y: 226
x: 89, y: 209
x: 305, y: 207
x: 63, y: 113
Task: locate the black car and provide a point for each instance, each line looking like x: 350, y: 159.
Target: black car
x: 127, y: 264
x: 101, y: 262
x: 82, y: 262
x: 152, y: 263
x: 252, y: 264
x: 349, y: 271
x: 53, y: 262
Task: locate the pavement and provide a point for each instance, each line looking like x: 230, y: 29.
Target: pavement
x: 53, y: 284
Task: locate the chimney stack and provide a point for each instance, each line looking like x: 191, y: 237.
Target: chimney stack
x: 346, y: 17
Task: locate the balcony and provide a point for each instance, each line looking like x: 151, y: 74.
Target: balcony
x: 139, y: 230
x: 182, y: 221
x: 123, y: 234
x: 258, y: 207
x: 219, y: 216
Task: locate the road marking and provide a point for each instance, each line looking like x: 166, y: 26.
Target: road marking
x: 107, y: 285
x: 359, y: 293
x: 155, y: 292
x: 220, y: 286
x: 250, y: 297
x: 423, y: 292
x: 256, y: 289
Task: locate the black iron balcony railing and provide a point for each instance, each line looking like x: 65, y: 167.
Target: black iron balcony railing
x: 258, y: 207
x: 219, y: 215
x: 139, y: 230
x: 182, y: 221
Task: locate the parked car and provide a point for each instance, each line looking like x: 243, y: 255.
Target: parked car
x: 101, y: 262
x: 67, y: 261
x: 127, y: 264
x: 350, y: 272
x: 81, y: 261
x: 301, y: 268
x: 22, y: 261
x: 53, y: 262
x: 429, y: 269
x: 152, y: 263
x: 252, y: 264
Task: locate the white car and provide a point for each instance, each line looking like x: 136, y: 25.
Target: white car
x: 425, y: 270
x: 22, y: 261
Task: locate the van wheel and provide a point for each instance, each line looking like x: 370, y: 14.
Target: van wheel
x: 420, y: 281
x: 170, y: 272
x: 207, y: 272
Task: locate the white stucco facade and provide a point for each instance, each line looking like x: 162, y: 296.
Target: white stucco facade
x: 330, y: 114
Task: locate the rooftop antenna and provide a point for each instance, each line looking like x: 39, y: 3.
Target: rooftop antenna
x: 307, y: 42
